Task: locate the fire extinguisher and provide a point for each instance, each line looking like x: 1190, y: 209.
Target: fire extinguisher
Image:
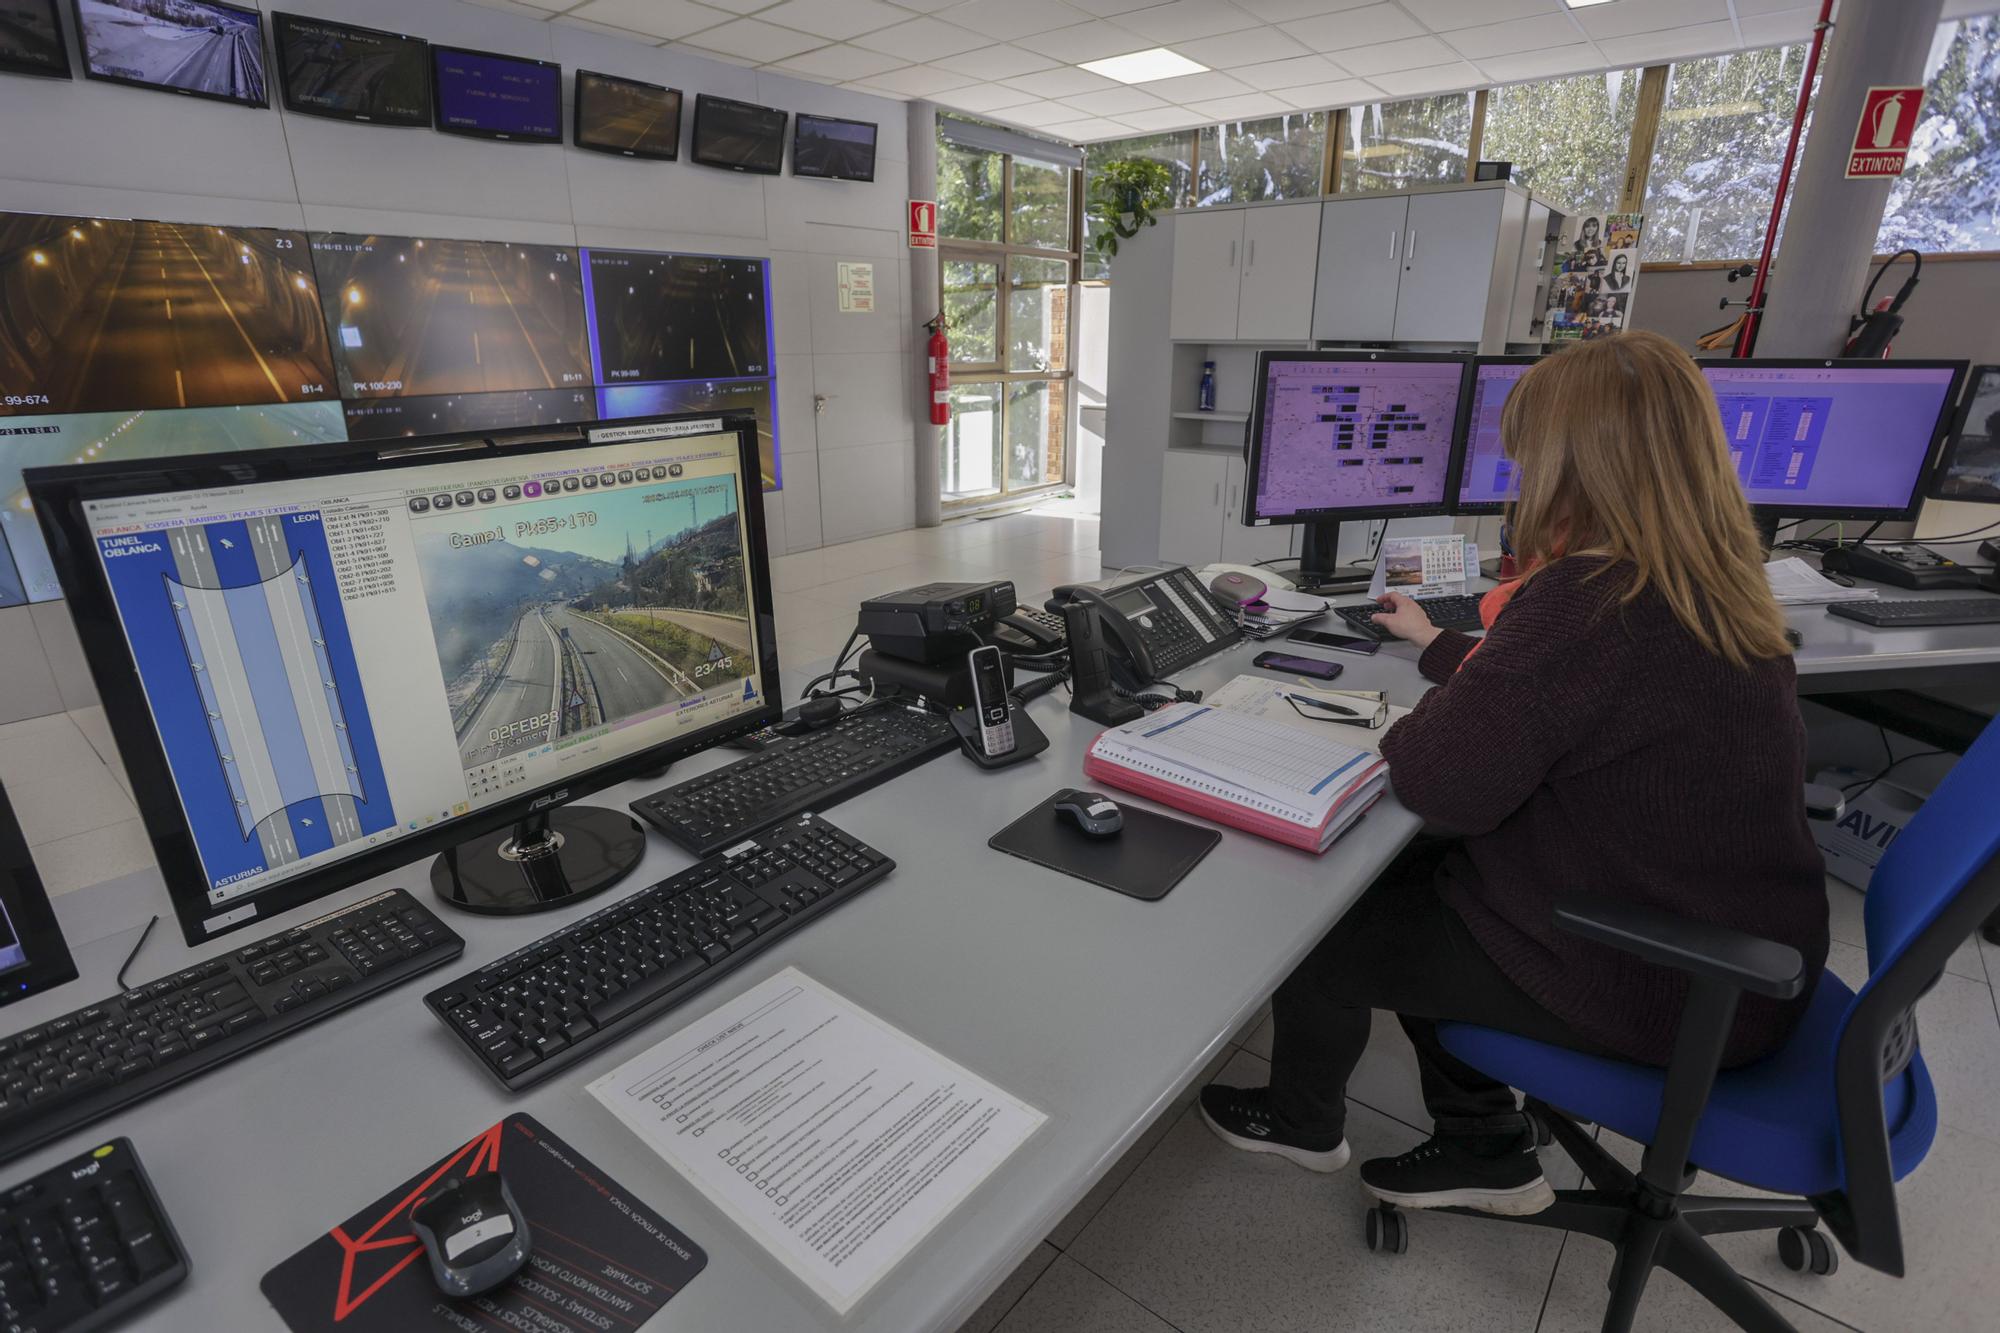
x: 939, y: 352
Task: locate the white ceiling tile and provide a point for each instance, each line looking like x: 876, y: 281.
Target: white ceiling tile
x: 1626, y: 17
x: 1040, y: 115
x: 1650, y: 48
x: 927, y: 6
x: 834, y: 18
x: 543, y: 11
x: 995, y: 62
x: 1284, y: 11
x: 840, y: 63
x: 1105, y: 9
x: 1748, y: 7
x: 1444, y: 15
x: 1251, y: 46
x: 917, y: 81
x: 1114, y: 102
x: 655, y: 18
x: 1325, y: 96
x: 1086, y: 41
x: 923, y: 39
x: 1248, y: 106
x: 1501, y: 39
x: 1195, y: 87
x: 1158, y: 122
x: 983, y: 97
x: 753, y: 39
x: 1289, y: 73
x: 1089, y: 128
x: 1548, y: 63
x: 723, y: 57
x: 1355, y: 27
x: 737, y: 6
x: 1008, y: 19
x: 1180, y: 21
x: 1781, y: 26
x: 1061, y: 82
x: 1410, y: 53
x: 1454, y: 77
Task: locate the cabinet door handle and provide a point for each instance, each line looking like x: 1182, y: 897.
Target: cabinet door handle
x: 1232, y: 497
x: 1232, y: 254
x: 1217, y: 501
x: 1410, y: 247
x: 1250, y: 254
x: 1395, y: 234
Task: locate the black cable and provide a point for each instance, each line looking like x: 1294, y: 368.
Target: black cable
x: 151, y: 921
x: 1868, y: 293
x: 1948, y: 536
x: 839, y: 667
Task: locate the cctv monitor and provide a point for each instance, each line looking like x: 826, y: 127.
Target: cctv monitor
x: 1488, y: 479
x: 490, y: 96
x: 1833, y: 439
x: 1970, y: 467
x: 33, y: 956
x: 345, y: 72
x: 31, y: 39
x: 198, y: 48
x: 833, y: 149
x: 1338, y: 435
x: 320, y: 665
x: 739, y: 136
x: 626, y: 117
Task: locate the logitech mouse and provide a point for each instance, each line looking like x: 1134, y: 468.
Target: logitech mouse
x: 1090, y: 811
x: 474, y: 1233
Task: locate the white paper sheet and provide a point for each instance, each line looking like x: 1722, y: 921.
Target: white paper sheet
x: 1796, y: 583
x: 1261, y: 696
x: 834, y: 1139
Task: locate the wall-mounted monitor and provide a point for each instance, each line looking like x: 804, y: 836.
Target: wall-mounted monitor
x: 678, y: 317
x: 754, y: 398
x: 626, y: 117
x: 31, y: 39
x: 740, y: 136
x: 490, y: 96
x: 349, y: 73
x: 1970, y: 467
x: 199, y: 48
x: 833, y: 149
x: 464, y: 413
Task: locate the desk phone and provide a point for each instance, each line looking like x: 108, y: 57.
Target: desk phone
x: 1158, y: 622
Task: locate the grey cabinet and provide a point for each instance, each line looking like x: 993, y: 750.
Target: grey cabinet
x: 1243, y: 273
x: 1360, y: 268
x: 1448, y: 257
x: 1208, y: 275
x: 1201, y: 508
x: 1427, y: 266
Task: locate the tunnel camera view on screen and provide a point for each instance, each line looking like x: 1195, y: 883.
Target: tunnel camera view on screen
x: 739, y: 135
x: 336, y: 69
x: 836, y: 149
x: 732, y: 397
x: 452, y: 414
x: 496, y: 96
x: 31, y: 38
x: 1355, y: 434
x: 621, y: 116
x: 1832, y: 437
x: 105, y: 437
x: 105, y: 314
x: 1490, y: 476
x: 197, y: 47
x: 1971, y: 467
x: 679, y: 317
x: 421, y: 317
x: 274, y: 629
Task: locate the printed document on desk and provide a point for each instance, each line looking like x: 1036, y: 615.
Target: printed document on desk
x: 1261, y: 696
x: 1796, y: 583
x: 834, y: 1139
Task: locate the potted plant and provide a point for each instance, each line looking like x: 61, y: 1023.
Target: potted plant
x: 1123, y: 195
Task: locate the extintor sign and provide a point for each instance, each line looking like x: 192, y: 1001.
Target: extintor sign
x: 1882, y: 139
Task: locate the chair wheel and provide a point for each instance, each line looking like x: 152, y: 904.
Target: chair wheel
x: 1388, y: 1231
x: 1806, y: 1249
x: 1544, y: 1136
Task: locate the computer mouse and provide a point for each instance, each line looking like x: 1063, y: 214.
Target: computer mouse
x: 1090, y: 811
x: 474, y: 1233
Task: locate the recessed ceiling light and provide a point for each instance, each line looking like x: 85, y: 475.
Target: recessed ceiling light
x: 1144, y: 66
x: 1585, y: 4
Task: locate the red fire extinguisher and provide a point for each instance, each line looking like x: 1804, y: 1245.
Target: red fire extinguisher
x: 939, y: 352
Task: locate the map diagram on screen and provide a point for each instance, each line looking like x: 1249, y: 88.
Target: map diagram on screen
x: 1335, y: 440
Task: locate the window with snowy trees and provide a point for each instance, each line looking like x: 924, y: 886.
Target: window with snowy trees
x: 1948, y: 197
x: 1394, y: 145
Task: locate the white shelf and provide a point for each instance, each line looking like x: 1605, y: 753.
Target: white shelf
x: 1233, y: 418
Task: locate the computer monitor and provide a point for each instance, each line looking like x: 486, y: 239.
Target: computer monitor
x: 33, y: 956
x: 320, y: 665
x: 346, y: 72
x: 626, y: 117
x: 1488, y: 479
x: 1337, y: 435
x: 1833, y: 439
x: 491, y: 96
x: 1969, y: 469
x: 197, y: 48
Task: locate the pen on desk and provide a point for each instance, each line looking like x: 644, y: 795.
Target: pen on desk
x: 1321, y: 703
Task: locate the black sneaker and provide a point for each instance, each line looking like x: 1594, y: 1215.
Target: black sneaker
x: 1462, y: 1170
x: 1243, y: 1118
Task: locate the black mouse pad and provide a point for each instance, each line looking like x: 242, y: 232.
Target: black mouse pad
x: 601, y: 1260
x: 1145, y: 859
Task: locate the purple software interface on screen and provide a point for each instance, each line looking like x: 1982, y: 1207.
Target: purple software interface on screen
x: 1490, y: 476
x: 494, y: 95
x: 1341, y: 435
x: 1833, y: 437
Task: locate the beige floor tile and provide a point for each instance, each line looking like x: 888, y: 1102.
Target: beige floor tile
x: 84, y: 859
x: 996, y: 1307
x: 1070, y: 1299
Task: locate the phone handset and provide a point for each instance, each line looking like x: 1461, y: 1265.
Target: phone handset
x: 1131, y: 656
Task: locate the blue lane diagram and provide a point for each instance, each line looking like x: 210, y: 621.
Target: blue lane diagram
x: 248, y: 666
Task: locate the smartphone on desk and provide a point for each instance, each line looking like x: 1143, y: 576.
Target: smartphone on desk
x: 1346, y: 643
x: 1317, y: 668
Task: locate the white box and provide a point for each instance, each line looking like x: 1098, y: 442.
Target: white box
x: 1874, y: 817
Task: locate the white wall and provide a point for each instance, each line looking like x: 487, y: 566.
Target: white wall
x: 95, y: 148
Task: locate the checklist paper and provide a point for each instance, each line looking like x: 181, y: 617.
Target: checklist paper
x: 835, y: 1140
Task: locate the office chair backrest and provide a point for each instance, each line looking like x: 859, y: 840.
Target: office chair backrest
x: 1936, y: 883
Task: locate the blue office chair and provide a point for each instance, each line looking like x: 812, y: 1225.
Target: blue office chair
x: 1837, y: 1116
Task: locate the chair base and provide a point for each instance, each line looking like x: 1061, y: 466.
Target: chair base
x: 1651, y: 1230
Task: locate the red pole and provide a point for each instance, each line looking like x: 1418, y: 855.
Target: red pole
x: 1746, y: 337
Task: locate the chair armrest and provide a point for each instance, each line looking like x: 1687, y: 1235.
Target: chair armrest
x: 1695, y: 947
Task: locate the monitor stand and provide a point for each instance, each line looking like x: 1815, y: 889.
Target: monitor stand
x: 1319, y: 562
x: 550, y: 859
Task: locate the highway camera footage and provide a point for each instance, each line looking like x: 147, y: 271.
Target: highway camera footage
x: 679, y: 317
x: 104, y: 315
x: 30, y: 40
x: 423, y: 316
x: 725, y: 397
x: 456, y: 414
x: 565, y: 615
x: 838, y: 149
x: 622, y: 117
x: 333, y: 69
x: 190, y: 46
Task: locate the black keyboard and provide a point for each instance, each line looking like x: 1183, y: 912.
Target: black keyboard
x: 592, y: 982
x: 1445, y: 612
x: 820, y: 769
x: 62, y: 1075
x: 1916, y: 612
x: 84, y: 1244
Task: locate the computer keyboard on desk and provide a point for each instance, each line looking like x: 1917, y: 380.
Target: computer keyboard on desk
x: 585, y: 986
x: 63, y: 1074
x: 1916, y: 612
x: 84, y: 1244
x: 1454, y: 612
x: 860, y: 750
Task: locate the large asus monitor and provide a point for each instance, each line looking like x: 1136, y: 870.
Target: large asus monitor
x: 33, y: 956
x: 833, y: 149
x: 490, y: 96
x: 198, y: 48
x: 31, y: 39
x: 321, y: 665
x: 1341, y: 435
x: 345, y: 72
x: 740, y: 136
x: 1969, y: 469
x: 626, y: 117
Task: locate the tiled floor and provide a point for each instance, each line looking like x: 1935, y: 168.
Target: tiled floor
x: 1186, y: 1235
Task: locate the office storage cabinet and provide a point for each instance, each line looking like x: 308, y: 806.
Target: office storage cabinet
x: 1427, y: 267
x: 1244, y: 273
x: 1201, y: 503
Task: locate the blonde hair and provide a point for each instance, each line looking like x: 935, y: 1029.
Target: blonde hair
x: 1622, y: 454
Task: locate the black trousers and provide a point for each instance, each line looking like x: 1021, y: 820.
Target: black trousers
x: 1400, y: 948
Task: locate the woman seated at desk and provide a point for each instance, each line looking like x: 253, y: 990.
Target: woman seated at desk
x: 1628, y: 726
